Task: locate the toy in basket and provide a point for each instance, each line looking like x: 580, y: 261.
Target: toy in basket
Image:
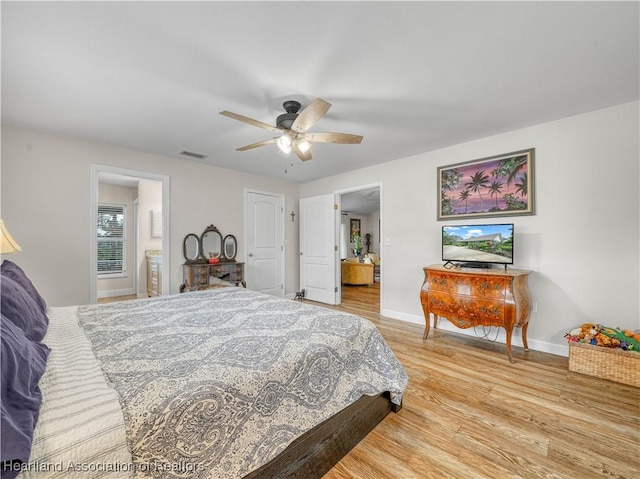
x: 605, y: 353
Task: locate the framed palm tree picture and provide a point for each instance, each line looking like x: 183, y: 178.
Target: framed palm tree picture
x: 499, y: 185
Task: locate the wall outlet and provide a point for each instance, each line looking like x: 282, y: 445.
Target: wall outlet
x: 534, y: 307
x: 387, y: 242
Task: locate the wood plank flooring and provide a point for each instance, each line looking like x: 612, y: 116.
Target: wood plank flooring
x: 113, y: 299
x: 469, y: 413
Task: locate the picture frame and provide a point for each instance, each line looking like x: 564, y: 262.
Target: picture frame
x: 501, y: 185
x: 156, y: 224
x: 354, y: 227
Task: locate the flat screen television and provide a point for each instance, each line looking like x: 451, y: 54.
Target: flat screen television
x: 478, y: 245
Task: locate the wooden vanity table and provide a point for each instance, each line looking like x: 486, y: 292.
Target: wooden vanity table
x: 470, y: 297
x: 210, y: 257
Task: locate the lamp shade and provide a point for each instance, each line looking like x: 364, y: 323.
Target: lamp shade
x: 7, y: 243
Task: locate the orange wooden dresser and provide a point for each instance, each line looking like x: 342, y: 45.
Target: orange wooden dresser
x: 470, y: 297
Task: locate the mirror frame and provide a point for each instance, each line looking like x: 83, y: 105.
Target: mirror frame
x: 231, y: 240
x: 210, y: 230
x: 184, y: 248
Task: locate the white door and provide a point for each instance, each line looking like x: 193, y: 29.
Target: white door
x: 264, y: 268
x: 318, y: 249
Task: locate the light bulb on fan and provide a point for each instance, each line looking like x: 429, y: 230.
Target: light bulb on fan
x: 284, y: 144
x: 304, y: 145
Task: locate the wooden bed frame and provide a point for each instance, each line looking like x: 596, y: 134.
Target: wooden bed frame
x: 319, y: 449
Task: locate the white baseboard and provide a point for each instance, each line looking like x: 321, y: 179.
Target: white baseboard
x: 516, y: 340
x: 116, y: 292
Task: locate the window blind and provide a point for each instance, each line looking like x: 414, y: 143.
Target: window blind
x: 111, y: 238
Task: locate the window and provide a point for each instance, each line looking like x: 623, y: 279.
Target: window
x: 111, y: 239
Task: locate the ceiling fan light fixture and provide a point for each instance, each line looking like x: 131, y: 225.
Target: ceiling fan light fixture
x: 292, y: 127
x: 284, y: 144
x: 304, y: 145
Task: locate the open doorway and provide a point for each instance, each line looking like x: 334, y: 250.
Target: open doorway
x: 137, y: 205
x: 360, y: 248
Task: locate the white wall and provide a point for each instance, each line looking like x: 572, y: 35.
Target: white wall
x: 373, y: 222
x: 45, y: 192
x: 149, y: 199
x: 582, y: 243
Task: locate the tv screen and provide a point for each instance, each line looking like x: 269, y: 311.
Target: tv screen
x: 478, y: 244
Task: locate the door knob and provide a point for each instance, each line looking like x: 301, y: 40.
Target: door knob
x: 250, y: 255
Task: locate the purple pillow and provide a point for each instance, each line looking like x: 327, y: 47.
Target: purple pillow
x: 16, y: 273
x: 22, y: 310
x: 23, y: 363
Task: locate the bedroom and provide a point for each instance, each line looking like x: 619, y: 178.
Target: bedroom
x: 46, y: 171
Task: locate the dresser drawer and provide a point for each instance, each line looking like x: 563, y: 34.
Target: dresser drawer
x: 448, y: 283
x: 482, y: 286
x: 489, y: 287
x: 464, y: 307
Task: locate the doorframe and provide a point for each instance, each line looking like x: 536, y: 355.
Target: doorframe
x: 282, y: 227
x: 352, y: 189
x: 96, y: 169
x: 136, y: 236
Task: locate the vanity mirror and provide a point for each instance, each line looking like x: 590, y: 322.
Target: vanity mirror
x: 210, y: 261
x: 230, y: 248
x: 191, y: 248
x: 210, y: 243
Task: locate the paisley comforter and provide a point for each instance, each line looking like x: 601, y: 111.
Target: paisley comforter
x: 216, y: 383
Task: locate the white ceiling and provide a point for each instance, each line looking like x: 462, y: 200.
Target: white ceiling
x: 409, y: 76
x: 361, y: 202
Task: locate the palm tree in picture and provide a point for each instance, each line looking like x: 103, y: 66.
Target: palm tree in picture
x: 510, y: 167
x: 464, y: 196
x: 478, y: 180
x: 522, y: 186
x: 494, y: 189
x: 450, y: 179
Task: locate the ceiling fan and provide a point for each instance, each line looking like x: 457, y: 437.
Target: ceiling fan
x: 293, y: 126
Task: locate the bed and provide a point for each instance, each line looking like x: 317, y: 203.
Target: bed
x: 222, y: 383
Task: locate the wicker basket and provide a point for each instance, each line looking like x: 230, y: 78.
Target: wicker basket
x: 606, y: 363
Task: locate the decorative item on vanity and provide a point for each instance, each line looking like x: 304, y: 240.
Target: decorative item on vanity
x: 214, y: 265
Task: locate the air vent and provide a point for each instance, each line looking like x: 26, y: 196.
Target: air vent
x: 193, y: 155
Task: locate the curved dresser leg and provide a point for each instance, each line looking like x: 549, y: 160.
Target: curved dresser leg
x: 427, y: 320
x: 524, y: 336
x: 509, y: 333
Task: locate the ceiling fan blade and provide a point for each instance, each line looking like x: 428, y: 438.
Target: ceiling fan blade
x: 310, y: 115
x: 256, y: 145
x: 333, y: 138
x: 250, y: 121
x: 303, y: 155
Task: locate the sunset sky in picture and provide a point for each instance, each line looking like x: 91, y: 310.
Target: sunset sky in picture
x: 488, y: 202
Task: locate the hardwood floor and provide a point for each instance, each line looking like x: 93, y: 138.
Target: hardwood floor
x: 469, y: 413
x: 113, y: 299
